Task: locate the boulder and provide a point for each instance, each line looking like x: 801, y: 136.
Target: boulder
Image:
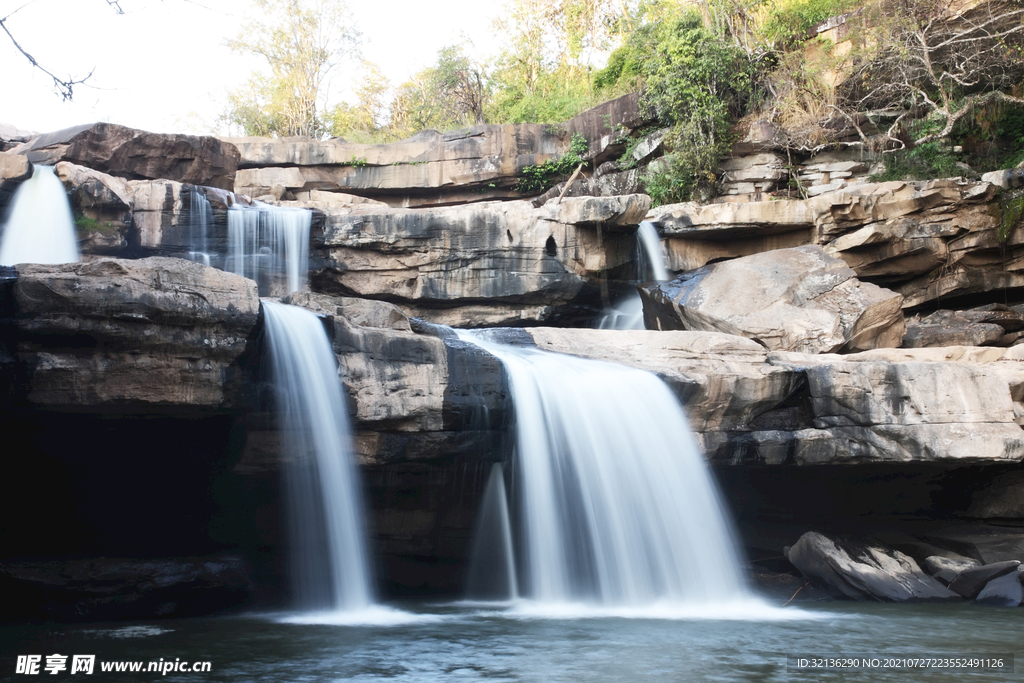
x: 1005, y: 591
x: 970, y: 582
x: 104, y: 589
x: 136, y: 154
x: 946, y: 569
x: 797, y: 299
x: 161, y: 331
x: 864, y: 572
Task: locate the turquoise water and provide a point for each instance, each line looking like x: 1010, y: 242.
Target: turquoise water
x: 447, y: 642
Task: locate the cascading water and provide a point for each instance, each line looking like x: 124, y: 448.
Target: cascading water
x: 628, y: 314
x: 269, y: 244
x: 40, y: 228
x: 327, y: 529
x: 617, y: 506
x: 200, y: 219
x: 492, y: 561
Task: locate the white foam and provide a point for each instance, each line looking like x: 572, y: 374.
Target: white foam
x: 375, y: 615
x: 749, y: 609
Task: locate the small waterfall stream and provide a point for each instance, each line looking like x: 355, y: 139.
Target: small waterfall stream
x: 492, y: 563
x: 40, y: 227
x: 326, y: 513
x: 617, y: 507
x: 269, y: 244
x: 200, y: 221
x: 628, y: 314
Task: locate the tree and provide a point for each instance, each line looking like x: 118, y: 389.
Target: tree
x: 930, y: 63
x: 543, y: 75
x: 366, y: 120
x: 302, y: 43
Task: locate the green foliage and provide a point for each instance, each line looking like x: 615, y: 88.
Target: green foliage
x: 553, y: 97
x: 668, y: 182
x: 1011, y: 204
x: 87, y: 224
x: 699, y: 84
x: 789, y: 21
x: 537, y: 179
x: 929, y: 160
x: 358, y: 162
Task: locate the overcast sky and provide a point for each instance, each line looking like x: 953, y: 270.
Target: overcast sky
x: 163, y: 65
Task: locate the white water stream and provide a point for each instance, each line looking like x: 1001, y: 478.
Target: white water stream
x: 628, y: 314
x: 616, y: 505
x: 326, y: 519
x: 269, y: 243
x: 40, y: 227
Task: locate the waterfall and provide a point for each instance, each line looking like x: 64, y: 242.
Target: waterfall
x: 628, y: 314
x: 327, y: 530
x: 492, y: 564
x: 200, y: 219
x: 40, y: 228
x: 269, y: 244
x: 617, y: 506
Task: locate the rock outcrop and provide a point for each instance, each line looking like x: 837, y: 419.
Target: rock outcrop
x: 797, y: 299
x: 481, y: 163
x: 479, y: 265
x: 159, y: 331
x: 927, y: 240
x: 750, y: 406
x: 136, y: 154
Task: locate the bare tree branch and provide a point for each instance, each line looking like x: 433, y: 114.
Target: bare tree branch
x: 65, y: 87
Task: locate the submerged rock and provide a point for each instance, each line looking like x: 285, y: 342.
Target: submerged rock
x: 108, y: 588
x: 797, y: 299
x: 870, y: 573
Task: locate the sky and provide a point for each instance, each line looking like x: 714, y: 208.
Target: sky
x: 163, y: 66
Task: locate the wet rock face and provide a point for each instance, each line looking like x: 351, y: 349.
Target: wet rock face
x: 103, y: 589
x: 135, y: 154
x: 789, y: 300
x: 158, y: 331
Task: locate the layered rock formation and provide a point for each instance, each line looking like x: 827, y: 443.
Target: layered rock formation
x: 476, y: 164
x: 930, y: 241
x: 154, y: 332
x: 483, y: 264
x: 136, y: 154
